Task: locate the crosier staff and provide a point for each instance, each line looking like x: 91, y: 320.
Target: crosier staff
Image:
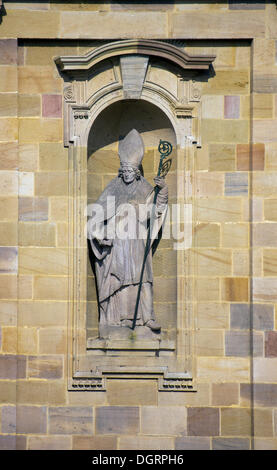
x: 165, y: 149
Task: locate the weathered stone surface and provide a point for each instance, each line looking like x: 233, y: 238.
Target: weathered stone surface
x: 264, y: 184
x: 264, y: 83
x: 8, y: 128
x: 270, y: 262
x: 236, y: 184
x: 222, y: 157
x: 234, y: 443
x: 145, y: 443
x: 265, y: 369
x: 51, y: 184
x: 70, y: 420
x: 264, y: 289
x: 223, y: 369
x: 207, y: 289
x: 45, y: 367
x: 241, y: 263
x: 12, y: 442
x: 261, y: 394
x: 8, y: 286
x: 36, y: 234
x: 213, y: 315
x: 50, y: 443
x: 8, y: 82
x: 263, y: 422
x: 235, y: 235
x: 241, y: 343
x: 263, y: 129
x: 8, y: 259
x: 94, y: 443
x: 265, y: 443
x: 8, y: 392
x: 43, y: 261
x: 231, y: 107
x: 28, y: 157
x: 40, y: 392
x: 218, y: 210
x: 225, y: 131
x: 213, y: 262
x: 250, y: 157
x: 12, y: 366
x: 262, y: 316
x: 52, y: 106
x: 209, y: 343
x: 270, y: 209
x: 50, y: 288
x: 117, y: 420
x: 39, y: 130
x: 29, y: 105
x: 53, y: 156
x: 212, y: 107
x: 203, y: 421
x: 32, y: 209
x: 192, y: 443
x: 8, y: 104
x: 8, y: 419
x: 113, y: 24
x: 163, y: 421
x: 8, y: 183
x: 38, y: 313
x: 36, y: 24
x: 262, y: 106
x: 252, y: 5
x: 26, y: 184
x: 264, y: 234
x: 27, y: 340
x: 9, y: 155
x: 235, y: 289
x: 8, y: 51
x: 225, y: 394
x: 136, y: 392
x: 271, y: 344
x: 208, y: 184
x: 207, y: 235
x: 214, y: 25
x: 31, y: 419
x: 52, y: 340
x: 236, y: 422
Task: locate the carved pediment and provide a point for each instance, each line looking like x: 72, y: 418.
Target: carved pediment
x: 72, y: 65
x: 156, y: 71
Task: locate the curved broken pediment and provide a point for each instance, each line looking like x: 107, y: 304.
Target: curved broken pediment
x: 74, y: 64
x: 155, y: 71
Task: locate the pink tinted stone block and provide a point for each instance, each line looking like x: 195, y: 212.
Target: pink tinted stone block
x: 231, y: 107
x: 52, y: 106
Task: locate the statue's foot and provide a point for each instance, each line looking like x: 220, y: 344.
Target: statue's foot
x: 153, y: 325
x: 128, y: 323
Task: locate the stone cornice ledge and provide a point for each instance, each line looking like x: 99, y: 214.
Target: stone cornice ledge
x: 134, y: 46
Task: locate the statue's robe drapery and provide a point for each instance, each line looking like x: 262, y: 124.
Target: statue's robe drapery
x: 118, y: 267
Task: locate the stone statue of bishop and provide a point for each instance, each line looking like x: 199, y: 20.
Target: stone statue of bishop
x: 124, y: 211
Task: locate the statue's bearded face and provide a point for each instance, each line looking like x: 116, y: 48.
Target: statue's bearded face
x: 128, y: 174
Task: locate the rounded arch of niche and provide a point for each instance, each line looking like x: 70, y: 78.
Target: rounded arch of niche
x: 113, y: 123
x: 165, y: 105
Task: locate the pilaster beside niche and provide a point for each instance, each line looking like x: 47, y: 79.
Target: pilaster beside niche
x: 168, y: 78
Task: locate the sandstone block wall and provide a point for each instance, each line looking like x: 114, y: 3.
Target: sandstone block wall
x: 234, y: 195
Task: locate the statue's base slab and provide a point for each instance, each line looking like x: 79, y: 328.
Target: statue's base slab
x: 122, y: 353
x: 119, y: 338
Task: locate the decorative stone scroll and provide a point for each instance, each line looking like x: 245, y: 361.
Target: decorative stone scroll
x: 170, y: 79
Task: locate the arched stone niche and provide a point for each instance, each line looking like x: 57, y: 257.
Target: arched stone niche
x: 155, y: 87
